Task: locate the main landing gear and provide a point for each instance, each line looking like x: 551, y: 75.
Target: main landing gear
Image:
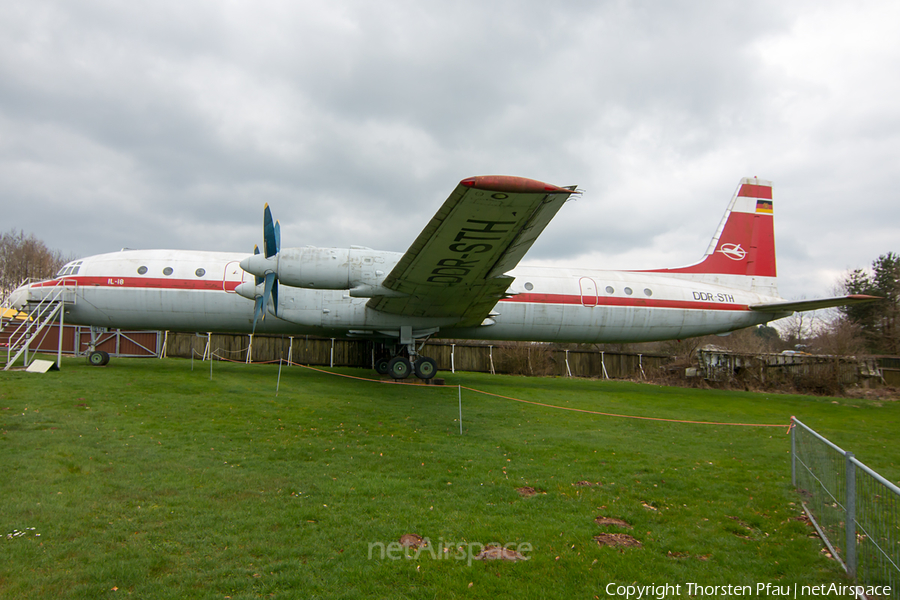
x: 403, y: 363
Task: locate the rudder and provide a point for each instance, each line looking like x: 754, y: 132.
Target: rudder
x: 744, y: 243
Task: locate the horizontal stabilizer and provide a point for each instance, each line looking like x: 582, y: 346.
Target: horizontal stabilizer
x: 801, y: 305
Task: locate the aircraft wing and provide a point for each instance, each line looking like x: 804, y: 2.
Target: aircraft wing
x: 457, y: 266
x: 802, y: 305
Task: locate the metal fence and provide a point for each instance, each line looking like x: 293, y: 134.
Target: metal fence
x: 853, y: 508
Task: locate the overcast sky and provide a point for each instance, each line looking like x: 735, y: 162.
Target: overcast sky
x: 169, y: 124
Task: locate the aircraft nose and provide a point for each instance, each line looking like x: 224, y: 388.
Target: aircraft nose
x: 19, y: 298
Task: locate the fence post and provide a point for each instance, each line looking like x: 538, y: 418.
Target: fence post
x: 850, y: 517
x: 793, y: 453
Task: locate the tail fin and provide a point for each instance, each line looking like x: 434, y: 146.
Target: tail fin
x: 742, y: 252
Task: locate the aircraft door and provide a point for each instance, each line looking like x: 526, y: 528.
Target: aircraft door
x: 233, y: 276
x: 588, y: 291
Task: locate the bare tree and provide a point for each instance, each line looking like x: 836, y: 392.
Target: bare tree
x: 24, y: 256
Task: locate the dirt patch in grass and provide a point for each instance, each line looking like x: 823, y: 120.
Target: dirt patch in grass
x: 412, y: 540
x: 685, y: 555
x: 601, y: 520
x: 499, y: 553
x: 617, y: 539
x: 527, y: 492
x: 586, y: 484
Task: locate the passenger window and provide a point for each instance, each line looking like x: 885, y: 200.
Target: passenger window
x: 142, y: 270
x: 168, y: 271
x: 629, y: 291
x: 200, y: 272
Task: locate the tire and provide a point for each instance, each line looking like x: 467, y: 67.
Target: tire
x: 426, y: 367
x: 98, y: 358
x: 381, y: 366
x: 399, y: 367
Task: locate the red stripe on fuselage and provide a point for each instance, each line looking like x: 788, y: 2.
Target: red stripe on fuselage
x: 144, y: 283
x: 564, y: 299
x: 615, y: 301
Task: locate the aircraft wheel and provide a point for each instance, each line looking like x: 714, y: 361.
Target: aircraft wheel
x: 399, y: 367
x: 425, y: 367
x: 381, y: 366
x: 98, y: 358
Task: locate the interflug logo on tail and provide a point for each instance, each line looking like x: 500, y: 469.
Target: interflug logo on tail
x: 733, y: 251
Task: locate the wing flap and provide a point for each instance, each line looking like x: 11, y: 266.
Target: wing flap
x: 456, y: 266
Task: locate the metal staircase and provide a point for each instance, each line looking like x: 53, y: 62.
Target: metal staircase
x: 24, y: 331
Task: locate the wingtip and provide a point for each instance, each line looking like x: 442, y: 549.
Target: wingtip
x: 511, y: 184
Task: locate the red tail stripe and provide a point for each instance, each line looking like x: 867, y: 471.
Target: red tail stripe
x: 749, y: 190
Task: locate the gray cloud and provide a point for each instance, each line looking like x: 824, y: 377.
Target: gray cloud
x: 170, y: 125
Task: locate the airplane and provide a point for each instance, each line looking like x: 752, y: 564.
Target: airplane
x: 460, y: 279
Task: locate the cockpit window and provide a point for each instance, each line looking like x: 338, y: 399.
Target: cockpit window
x: 70, y: 269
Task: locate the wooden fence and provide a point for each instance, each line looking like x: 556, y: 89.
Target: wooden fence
x: 505, y: 357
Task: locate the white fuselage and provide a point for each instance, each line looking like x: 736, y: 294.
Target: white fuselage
x: 194, y: 291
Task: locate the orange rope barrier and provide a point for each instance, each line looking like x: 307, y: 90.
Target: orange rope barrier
x: 605, y: 414
x: 581, y: 410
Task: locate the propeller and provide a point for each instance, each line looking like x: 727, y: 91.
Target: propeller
x: 264, y: 269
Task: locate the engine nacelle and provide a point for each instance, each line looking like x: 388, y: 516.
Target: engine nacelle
x: 315, y: 268
x: 360, y: 270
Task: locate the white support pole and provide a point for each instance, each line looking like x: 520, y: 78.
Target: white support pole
x: 206, y: 350
x: 568, y: 370
x: 491, y: 356
x: 460, y: 410
x: 453, y: 358
x: 290, y: 349
x: 62, y: 326
x: 332, y: 353
x: 278, y: 383
x: 641, y: 367
x: 603, y: 364
x: 250, y: 351
x: 165, y: 344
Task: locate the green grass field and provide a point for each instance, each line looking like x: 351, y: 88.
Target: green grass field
x: 147, y: 479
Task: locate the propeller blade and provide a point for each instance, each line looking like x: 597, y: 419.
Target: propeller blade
x: 270, y: 282
x: 257, y: 308
x: 277, y: 237
x: 269, y: 238
x: 275, y: 296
